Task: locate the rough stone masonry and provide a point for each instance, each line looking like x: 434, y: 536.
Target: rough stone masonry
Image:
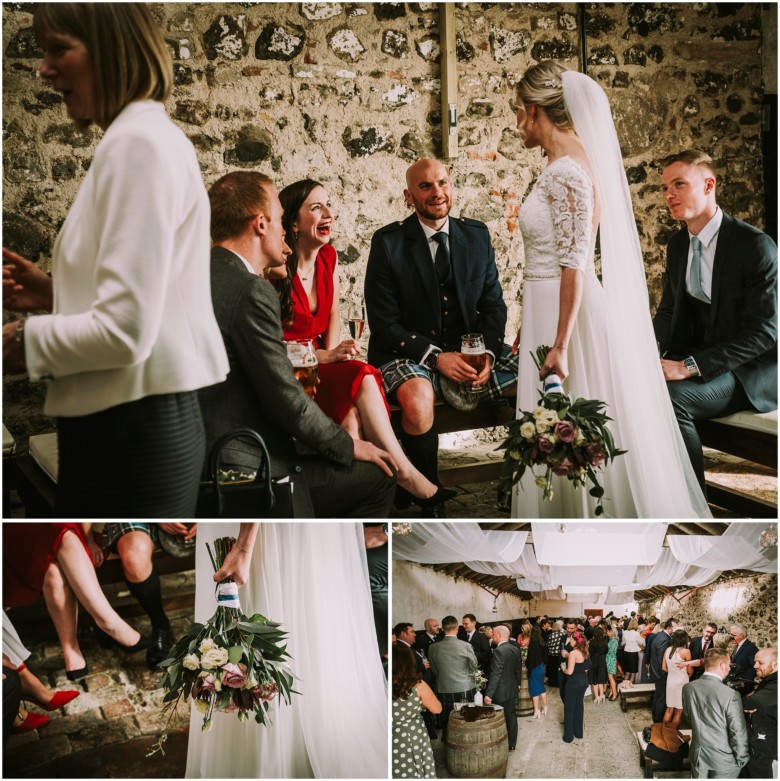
x: 349, y: 93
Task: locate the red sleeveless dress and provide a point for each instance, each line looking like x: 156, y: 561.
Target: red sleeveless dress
x: 28, y: 550
x: 339, y: 382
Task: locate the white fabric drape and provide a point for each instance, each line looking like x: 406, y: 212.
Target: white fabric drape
x: 737, y: 548
x: 445, y: 543
x: 306, y: 576
x: 571, y: 544
x: 13, y: 647
x: 526, y: 566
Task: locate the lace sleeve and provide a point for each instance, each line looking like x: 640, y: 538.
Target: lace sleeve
x: 570, y: 195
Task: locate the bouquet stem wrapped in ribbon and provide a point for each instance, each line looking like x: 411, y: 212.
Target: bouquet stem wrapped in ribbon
x: 568, y: 437
x: 230, y: 664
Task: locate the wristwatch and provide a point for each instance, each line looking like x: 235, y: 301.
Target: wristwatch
x: 691, y: 366
x: 431, y: 360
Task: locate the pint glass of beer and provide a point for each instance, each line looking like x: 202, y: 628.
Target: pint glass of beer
x: 304, y: 361
x: 472, y: 349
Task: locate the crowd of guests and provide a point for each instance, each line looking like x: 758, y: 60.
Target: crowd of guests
x: 163, y: 326
x: 717, y: 683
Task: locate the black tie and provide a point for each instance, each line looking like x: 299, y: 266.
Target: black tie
x: 442, y: 261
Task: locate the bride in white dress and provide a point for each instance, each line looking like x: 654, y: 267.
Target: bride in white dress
x: 601, y: 335
x: 313, y: 579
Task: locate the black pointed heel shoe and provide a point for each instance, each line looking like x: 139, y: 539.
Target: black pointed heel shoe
x: 77, y: 675
x: 106, y: 641
x: 442, y: 495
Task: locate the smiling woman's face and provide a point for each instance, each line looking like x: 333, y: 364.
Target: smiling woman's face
x: 67, y: 66
x: 315, y: 218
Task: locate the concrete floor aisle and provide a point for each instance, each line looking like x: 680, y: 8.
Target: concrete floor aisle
x: 610, y: 749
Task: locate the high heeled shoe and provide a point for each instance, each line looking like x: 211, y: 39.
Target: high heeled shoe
x: 106, y: 641
x: 77, y: 675
x: 537, y: 714
x: 442, y: 495
x: 59, y: 700
x: 32, y: 721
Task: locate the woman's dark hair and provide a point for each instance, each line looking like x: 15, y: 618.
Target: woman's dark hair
x: 680, y: 639
x: 536, y: 635
x: 599, y: 640
x: 581, y: 644
x: 292, y: 198
x: 405, y: 675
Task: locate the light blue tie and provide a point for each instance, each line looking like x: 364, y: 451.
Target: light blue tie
x: 697, y: 291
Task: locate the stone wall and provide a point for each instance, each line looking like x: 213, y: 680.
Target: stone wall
x: 349, y: 93
x: 751, y: 601
x: 420, y: 593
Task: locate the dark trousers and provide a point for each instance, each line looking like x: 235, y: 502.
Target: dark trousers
x: 511, y: 719
x: 757, y: 767
x: 698, y: 400
x: 378, y: 578
x: 360, y: 490
x: 12, y: 697
x: 574, y: 707
x: 659, y: 699
x: 448, y: 700
x: 137, y: 460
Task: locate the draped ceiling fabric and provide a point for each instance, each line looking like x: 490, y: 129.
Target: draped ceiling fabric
x: 557, y: 563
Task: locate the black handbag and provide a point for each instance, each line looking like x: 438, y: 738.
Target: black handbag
x: 262, y: 497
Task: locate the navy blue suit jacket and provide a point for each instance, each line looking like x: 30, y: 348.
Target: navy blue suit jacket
x: 402, y: 294
x: 742, y: 335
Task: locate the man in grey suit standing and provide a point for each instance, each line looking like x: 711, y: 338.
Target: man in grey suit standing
x: 453, y: 663
x: 505, y: 681
x: 719, y: 746
x: 344, y: 478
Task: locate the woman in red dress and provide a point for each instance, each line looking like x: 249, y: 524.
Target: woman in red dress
x: 54, y: 559
x: 350, y: 391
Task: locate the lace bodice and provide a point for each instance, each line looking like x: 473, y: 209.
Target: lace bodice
x: 556, y: 221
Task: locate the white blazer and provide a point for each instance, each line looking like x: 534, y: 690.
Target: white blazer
x: 132, y: 310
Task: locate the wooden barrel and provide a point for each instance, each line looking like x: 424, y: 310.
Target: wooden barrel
x: 525, y: 705
x: 477, y: 749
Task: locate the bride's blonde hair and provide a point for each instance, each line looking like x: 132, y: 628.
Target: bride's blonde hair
x: 542, y: 86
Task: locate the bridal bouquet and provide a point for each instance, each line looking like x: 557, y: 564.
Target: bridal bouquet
x: 230, y: 664
x: 568, y: 437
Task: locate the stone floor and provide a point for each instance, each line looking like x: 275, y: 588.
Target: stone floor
x: 108, y: 730
x: 610, y: 749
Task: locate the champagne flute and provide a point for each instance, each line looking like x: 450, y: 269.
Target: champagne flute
x: 303, y: 358
x: 356, y: 320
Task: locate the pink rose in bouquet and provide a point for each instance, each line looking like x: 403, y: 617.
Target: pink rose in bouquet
x: 545, y: 445
x: 265, y: 693
x: 596, y: 454
x: 563, y: 468
x: 566, y: 431
x: 203, y: 684
x: 234, y: 675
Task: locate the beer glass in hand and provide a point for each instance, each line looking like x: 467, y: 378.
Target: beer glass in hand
x: 304, y: 361
x: 472, y: 349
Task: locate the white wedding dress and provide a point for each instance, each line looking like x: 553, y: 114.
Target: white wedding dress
x: 313, y: 579
x: 654, y: 479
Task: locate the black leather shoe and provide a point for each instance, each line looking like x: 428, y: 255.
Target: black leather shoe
x: 437, y: 511
x: 442, y: 495
x: 77, y: 675
x: 158, y: 650
x: 106, y: 641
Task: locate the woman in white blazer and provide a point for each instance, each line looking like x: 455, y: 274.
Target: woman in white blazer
x: 131, y: 336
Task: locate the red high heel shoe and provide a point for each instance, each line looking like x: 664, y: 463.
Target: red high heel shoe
x: 59, y: 700
x: 33, y: 721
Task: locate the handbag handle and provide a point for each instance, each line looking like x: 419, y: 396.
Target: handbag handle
x: 214, y: 461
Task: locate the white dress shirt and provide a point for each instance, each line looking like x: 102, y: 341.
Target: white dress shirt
x: 132, y: 313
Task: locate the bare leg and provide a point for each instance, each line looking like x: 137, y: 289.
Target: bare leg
x: 64, y: 611
x: 379, y: 431
x: 34, y: 687
x: 80, y: 574
x: 668, y: 715
x: 612, y: 686
x: 544, y: 703
x: 351, y: 424
x: 535, y: 701
x: 676, y: 717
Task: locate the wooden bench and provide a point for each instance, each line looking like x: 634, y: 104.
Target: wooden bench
x: 750, y: 435
x: 638, y: 691
x: 447, y: 420
x: 649, y: 764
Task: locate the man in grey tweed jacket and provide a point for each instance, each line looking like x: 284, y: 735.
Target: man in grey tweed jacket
x: 453, y: 662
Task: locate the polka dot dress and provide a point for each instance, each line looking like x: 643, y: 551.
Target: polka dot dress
x: 412, y: 752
